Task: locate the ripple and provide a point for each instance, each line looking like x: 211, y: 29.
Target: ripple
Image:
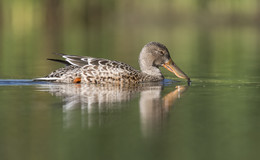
x: 19, y: 82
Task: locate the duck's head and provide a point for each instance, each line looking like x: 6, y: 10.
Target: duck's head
x: 154, y: 55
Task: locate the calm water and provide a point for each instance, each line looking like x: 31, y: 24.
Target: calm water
x: 215, y: 43
x: 169, y: 120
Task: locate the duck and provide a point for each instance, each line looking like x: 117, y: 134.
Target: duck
x: 89, y: 70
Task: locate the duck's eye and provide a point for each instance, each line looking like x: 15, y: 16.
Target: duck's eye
x: 161, y: 53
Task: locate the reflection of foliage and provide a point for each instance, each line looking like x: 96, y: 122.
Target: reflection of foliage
x: 30, y: 12
x: 202, y: 32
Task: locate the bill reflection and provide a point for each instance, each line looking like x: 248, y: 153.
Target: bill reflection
x: 154, y: 108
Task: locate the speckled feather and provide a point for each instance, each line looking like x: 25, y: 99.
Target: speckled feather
x: 81, y: 69
x: 96, y: 70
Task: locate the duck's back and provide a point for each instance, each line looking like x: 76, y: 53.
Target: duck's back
x: 81, y: 69
x: 107, y: 71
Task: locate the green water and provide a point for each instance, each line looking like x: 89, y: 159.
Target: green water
x: 215, y: 43
x: 208, y: 120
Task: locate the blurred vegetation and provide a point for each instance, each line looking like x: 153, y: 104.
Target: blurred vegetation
x: 213, y: 35
x: 213, y: 41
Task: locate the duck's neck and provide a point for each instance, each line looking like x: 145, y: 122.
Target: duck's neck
x: 151, y: 70
x: 148, y: 68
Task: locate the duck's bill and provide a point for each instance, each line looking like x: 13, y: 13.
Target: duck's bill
x: 172, y: 67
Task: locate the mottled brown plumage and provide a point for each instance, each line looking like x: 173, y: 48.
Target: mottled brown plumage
x: 82, y: 69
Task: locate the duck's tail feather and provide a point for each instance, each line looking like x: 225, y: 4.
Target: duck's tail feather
x: 59, y: 60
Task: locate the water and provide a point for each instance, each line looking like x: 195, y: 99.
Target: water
x: 216, y: 44
x: 167, y: 120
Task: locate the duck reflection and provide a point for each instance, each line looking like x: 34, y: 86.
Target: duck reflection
x: 97, y: 99
x: 154, y: 109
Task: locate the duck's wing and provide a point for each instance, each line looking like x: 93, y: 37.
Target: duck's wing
x: 90, y: 64
x: 81, y: 61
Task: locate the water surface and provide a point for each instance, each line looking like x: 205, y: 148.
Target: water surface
x: 167, y: 120
x: 216, y: 43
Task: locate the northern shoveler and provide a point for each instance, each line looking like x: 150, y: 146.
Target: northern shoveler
x: 82, y: 69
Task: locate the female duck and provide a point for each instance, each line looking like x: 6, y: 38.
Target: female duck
x: 82, y: 69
